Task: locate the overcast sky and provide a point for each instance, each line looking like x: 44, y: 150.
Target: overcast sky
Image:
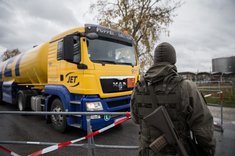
x: 202, y: 29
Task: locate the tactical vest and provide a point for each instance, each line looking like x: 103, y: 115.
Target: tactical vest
x: 148, y: 97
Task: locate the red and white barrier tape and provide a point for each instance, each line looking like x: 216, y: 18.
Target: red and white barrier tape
x: 8, y: 151
x: 64, y: 144
x: 208, y: 95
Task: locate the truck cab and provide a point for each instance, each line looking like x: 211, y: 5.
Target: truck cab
x: 96, y: 68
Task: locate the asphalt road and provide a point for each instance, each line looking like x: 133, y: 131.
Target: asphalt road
x: 34, y: 128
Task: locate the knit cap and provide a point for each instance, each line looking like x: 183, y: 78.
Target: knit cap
x: 165, y: 52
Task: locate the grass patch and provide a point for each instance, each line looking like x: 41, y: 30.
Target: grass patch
x: 226, y: 102
x: 228, y: 94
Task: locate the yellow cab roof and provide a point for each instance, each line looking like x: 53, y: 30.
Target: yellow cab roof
x: 70, y: 31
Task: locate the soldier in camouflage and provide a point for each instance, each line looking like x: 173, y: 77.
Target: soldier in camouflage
x: 162, y: 86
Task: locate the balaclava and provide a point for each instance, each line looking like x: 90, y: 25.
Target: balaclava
x: 165, y: 52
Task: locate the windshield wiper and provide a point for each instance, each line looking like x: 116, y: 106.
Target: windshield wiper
x: 126, y: 63
x: 105, y: 61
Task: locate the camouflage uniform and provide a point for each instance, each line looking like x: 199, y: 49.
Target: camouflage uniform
x: 185, y: 105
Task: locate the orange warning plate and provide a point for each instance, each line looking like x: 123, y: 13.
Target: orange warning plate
x: 130, y: 82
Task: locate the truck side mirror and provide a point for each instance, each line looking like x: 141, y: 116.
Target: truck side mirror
x: 68, y: 48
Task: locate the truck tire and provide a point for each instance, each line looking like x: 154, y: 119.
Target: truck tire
x: 24, y: 99
x: 1, y: 93
x: 1, y: 102
x: 59, y: 122
x: 21, y: 100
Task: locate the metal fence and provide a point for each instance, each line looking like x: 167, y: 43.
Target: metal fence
x: 214, y: 89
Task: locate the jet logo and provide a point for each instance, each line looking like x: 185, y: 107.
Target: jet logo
x: 72, y: 79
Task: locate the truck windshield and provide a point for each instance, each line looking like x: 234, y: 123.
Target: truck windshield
x: 107, y: 52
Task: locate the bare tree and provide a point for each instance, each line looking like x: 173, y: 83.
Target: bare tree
x: 9, y: 53
x: 144, y: 20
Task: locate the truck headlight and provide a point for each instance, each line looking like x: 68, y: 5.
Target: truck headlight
x: 94, y: 106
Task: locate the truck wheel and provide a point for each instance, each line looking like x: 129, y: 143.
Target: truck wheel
x: 21, y: 101
x: 58, y: 121
x: 1, y: 102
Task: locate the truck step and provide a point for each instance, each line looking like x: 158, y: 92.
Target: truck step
x: 75, y: 102
x: 76, y: 125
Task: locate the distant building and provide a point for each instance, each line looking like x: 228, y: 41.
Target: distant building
x: 216, y: 76
x: 219, y: 76
x: 203, y: 76
x: 223, y: 64
x: 223, y: 69
x: 188, y: 75
x: 199, y: 77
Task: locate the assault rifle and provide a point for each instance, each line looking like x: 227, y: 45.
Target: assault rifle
x: 160, y: 119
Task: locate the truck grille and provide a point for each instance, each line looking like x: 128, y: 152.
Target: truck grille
x: 112, y: 104
x: 112, y: 85
x: 123, y: 110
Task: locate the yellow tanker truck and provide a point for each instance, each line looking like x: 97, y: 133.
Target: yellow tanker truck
x: 90, y: 68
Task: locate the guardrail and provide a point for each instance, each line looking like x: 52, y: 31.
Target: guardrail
x: 90, y: 146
